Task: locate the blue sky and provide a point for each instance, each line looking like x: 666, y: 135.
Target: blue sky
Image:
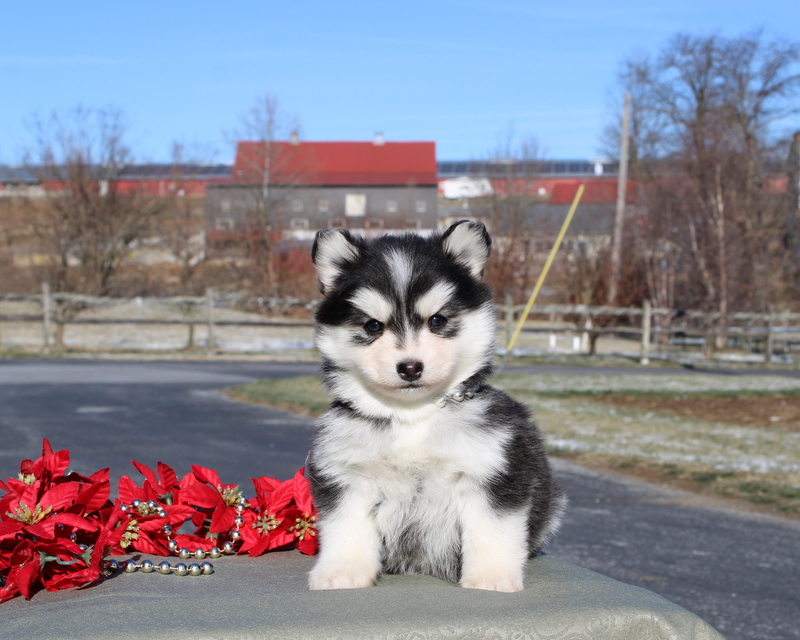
x: 463, y: 74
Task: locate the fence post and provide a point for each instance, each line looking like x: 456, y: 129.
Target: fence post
x: 210, y: 311
x: 45, y: 317
x: 769, y: 341
x: 587, y: 324
x: 509, y: 301
x: 646, y: 316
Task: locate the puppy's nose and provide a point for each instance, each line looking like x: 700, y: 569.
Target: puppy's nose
x: 409, y: 370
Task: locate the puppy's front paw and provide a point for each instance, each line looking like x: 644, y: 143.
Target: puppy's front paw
x: 492, y: 582
x: 340, y: 580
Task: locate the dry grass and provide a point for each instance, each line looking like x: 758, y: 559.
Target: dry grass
x: 654, y: 439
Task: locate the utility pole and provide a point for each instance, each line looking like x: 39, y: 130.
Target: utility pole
x: 793, y: 202
x: 622, y: 185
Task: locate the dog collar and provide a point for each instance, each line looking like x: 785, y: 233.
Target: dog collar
x: 458, y: 396
x: 455, y: 396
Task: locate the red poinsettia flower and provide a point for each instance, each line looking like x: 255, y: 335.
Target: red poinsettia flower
x: 158, y: 505
x: 56, y: 528
x: 50, y: 525
x: 214, y: 499
x: 265, y: 524
x: 304, y: 526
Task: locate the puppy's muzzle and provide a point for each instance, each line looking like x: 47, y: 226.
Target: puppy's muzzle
x: 409, y: 371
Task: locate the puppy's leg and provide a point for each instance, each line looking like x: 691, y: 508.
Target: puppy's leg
x: 349, y: 555
x: 494, y: 546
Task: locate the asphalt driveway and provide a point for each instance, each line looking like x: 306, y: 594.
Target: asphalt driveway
x: 739, y: 571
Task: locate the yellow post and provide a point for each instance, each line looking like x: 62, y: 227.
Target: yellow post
x: 547, y: 265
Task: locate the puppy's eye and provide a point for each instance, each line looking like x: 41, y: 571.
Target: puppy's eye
x: 437, y: 322
x: 373, y: 326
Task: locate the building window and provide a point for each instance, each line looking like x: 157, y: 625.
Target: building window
x: 355, y: 205
x: 421, y: 206
x: 299, y: 223
x: 224, y: 224
x: 338, y: 223
x: 225, y: 206
x: 413, y: 223
x: 297, y: 206
x: 324, y: 206
x: 374, y: 223
x: 391, y: 206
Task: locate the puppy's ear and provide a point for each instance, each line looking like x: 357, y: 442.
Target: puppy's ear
x: 469, y: 244
x: 332, y: 250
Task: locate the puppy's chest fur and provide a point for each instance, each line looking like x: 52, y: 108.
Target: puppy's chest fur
x: 416, y: 476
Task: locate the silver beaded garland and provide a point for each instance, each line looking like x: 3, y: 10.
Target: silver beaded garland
x: 151, y: 507
x: 146, y: 566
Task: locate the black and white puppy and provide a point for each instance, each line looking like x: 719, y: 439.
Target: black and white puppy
x: 419, y: 467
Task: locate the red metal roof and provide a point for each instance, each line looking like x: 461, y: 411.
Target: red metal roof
x: 337, y: 163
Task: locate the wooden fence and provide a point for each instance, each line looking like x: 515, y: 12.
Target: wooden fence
x: 653, y: 328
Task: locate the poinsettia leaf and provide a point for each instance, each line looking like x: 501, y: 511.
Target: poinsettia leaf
x: 206, y: 475
x: 60, y: 496
x: 222, y: 520
x: 64, y: 549
x: 56, y: 463
x: 281, y: 538
x: 264, y: 485
x: 194, y: 542
x: 147, y: 472
x: 146, y: 544
x: 169, y: 479
x: 25, y: 577
x: 302, y: 492
x: 9, y: 591
x: 151, y: 525
x: 201, y: 495
x: 281, y: 497
x: 18, y: 487
x: 128, y: 490
x: 9, y: 529
x: 25, y: 566
x: 94, y: 495
x: 72, y: 579
x: 188, y: 480
x: 76, y: 521
x: 103, y: 475
x: 179, y: 513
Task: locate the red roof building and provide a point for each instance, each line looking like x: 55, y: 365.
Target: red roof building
x: 294, y: 188
x: 336, y: 163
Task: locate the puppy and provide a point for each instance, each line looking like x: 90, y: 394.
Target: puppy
x: 420, y: 467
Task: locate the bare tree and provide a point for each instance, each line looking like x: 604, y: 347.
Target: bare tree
x: 182, y: 228
x: 266, y: 171
x: 507, y: 212
x: 703, y: 112
x: 86, y: 219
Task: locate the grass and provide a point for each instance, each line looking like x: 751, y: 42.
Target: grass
x: 303, y: 395
x: 758, y: 465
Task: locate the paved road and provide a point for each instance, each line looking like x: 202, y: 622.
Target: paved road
x: 741, y: 572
